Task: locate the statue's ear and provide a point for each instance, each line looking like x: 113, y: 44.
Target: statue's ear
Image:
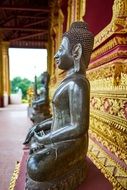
x: 77, y: 51
x: 76, y: 54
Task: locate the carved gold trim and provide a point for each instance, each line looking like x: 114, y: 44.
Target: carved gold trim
x: 109, y: 76
x: 117, y: 24
x: 114, y: 94
x: 119, y: 9
x: 110, y: 134
x: 109, y: 57
x: 109, y: 45
x: 115, y: 121
x: 107, y: 142
x: 106, y: 86
x: 115, y: 106
x: 112, y: 170
x: 14, y: 176
x: 103, y: 35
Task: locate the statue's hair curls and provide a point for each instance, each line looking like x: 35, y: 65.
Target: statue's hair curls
x: 79, y: 33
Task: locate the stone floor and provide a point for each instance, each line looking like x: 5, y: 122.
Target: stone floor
x: 14, y: 124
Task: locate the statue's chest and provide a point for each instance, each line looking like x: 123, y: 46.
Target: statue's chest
x: 61, y: 98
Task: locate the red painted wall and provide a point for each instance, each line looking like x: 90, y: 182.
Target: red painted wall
x: 98, y: 14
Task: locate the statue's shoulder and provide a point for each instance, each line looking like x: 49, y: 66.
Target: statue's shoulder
x: 76, y: 80
x: 80, y: 79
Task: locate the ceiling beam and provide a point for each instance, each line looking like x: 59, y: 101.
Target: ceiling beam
x: 30, y: 17
x: 37, y: 22
x: 29, y: 36
x: 24, y: 45
x: 22, y: 29
x: 14, y: 8
x: 35, y: 41
x: 5, y: 21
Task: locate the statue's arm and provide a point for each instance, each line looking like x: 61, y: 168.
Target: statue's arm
x: 42, y: 99
x: 44, y: 125
x: 39, y: 101
x: 79, y: 115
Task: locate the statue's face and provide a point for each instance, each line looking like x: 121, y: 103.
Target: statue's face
x: 63, y: 57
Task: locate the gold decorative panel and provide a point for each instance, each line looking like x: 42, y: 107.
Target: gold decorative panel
x: 107, y: 74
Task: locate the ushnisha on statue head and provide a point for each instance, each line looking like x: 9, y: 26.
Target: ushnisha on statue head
x: 76, y: 48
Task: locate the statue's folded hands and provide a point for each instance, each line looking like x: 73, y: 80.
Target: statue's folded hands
x: 43, y: 126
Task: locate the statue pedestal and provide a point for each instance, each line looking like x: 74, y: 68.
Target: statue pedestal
x: 69, y: 181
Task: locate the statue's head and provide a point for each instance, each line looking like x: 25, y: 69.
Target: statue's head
x: 45, y: 78
x: 76, y: 48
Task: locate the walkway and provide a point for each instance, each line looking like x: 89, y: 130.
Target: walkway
x: 14, y: 125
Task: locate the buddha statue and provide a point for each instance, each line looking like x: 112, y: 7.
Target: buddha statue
x: 41, y: 103
x: 58, y: 145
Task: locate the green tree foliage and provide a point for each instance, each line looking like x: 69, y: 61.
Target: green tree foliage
x: 19, y: 83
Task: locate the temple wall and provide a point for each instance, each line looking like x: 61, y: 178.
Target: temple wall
x: 108, y: 78
x: 107, y: 74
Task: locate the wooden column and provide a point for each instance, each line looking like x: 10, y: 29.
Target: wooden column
x: 4, y: 74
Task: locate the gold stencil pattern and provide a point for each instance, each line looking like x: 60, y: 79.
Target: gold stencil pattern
x: 116, y: 174
x: 111, y: 133
x: 110, y: 105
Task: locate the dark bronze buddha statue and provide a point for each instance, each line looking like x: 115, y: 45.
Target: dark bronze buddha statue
x: 40, y: 104
x: 59, y: 144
